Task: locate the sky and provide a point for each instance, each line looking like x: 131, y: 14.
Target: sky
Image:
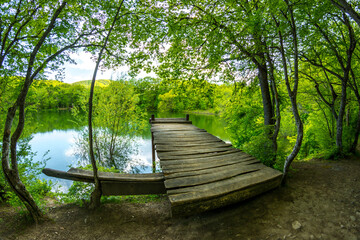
x: 84, y: 70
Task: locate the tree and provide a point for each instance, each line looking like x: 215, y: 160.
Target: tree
x: 34, y: 43
x: 220, y: 39
x: 96, y: 194
x: 290, y: 63
x: 332, y: 60
x: 347, y: 7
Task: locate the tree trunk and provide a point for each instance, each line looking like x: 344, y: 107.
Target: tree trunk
x: 357, y: 133
x: 340, y: 119
x: 292, y: 92
x: 265, y: 93
x: 275, y: 103
x: 299, y: 138
x: 96, y: 194
x: 12, y: 174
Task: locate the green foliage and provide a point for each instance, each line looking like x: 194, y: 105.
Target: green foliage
x: 187, y: 95
x: 98, y: 83
x: 148, y: 90
x: 51, y: 94
x: 170, y: 102
x: 30, y: 175
x: 243, y: 115
x: 117, y: 120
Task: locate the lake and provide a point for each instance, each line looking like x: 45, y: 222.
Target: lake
x: 56, y: 134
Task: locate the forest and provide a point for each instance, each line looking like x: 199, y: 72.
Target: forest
x: 284, y: 75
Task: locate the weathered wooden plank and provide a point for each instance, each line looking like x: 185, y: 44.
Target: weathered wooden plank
x: 195, y: 152
x: 180, y: 133
x: 159, y: 124
x: 173, y: 126
x: 239, y: 156
x: 188, y: 138
x: 171, y: 148
x: 76, y: 174
x: 168, y: 157
x: 173, y: 130
x: 209, y: 177
x: 160, y: 119
x: 195, y: 144
x: 165, y: 120
x: 211, y: 190
x: 210, y: 170
x: 183, y: 141
x: 224, y: 200
x: 176, y: 129
x: 170, y: 121
x: 212, y: 165
x: 174, y: 137
x: 175, y: 140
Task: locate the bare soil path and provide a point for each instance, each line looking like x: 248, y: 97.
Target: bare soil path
x: 321, y: 201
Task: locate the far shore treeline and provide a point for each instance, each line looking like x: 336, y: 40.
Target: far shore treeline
x: 238, y: 104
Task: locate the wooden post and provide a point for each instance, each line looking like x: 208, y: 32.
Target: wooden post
x: 153, y: 152
x: 187, y: 117
x: 153, y: 146
x: 152, y: 118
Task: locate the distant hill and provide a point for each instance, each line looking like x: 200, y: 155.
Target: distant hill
x: 50, y: 82
x: 98, y: 83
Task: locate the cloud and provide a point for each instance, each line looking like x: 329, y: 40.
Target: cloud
x: 84, y: 70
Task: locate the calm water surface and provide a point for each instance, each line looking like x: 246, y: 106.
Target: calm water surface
x: 56, y: 134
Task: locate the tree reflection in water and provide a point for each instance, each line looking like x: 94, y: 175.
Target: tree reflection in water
x: 111, y: 150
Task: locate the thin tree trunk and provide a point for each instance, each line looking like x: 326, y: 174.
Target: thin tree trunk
x: 340, y: 120
x: 357, y: 133
x: 292, y: 93
x: 326, y: 119
x: 96, y: 194
x: 277, y: 107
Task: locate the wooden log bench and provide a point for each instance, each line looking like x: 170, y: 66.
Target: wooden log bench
x: 115, y: 183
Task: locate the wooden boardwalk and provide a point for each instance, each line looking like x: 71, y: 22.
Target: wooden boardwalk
x: 202, y: 172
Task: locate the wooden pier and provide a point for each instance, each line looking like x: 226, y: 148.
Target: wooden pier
x: 200, y: 172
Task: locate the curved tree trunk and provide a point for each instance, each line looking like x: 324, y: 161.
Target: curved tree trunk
x: 12, y: 173
x: 96, y: 194
x: 292, y: 92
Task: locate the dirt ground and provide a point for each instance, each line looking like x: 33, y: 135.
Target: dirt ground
x: 321, y: 201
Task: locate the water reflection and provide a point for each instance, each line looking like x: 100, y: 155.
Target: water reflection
x: 110, y: 150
